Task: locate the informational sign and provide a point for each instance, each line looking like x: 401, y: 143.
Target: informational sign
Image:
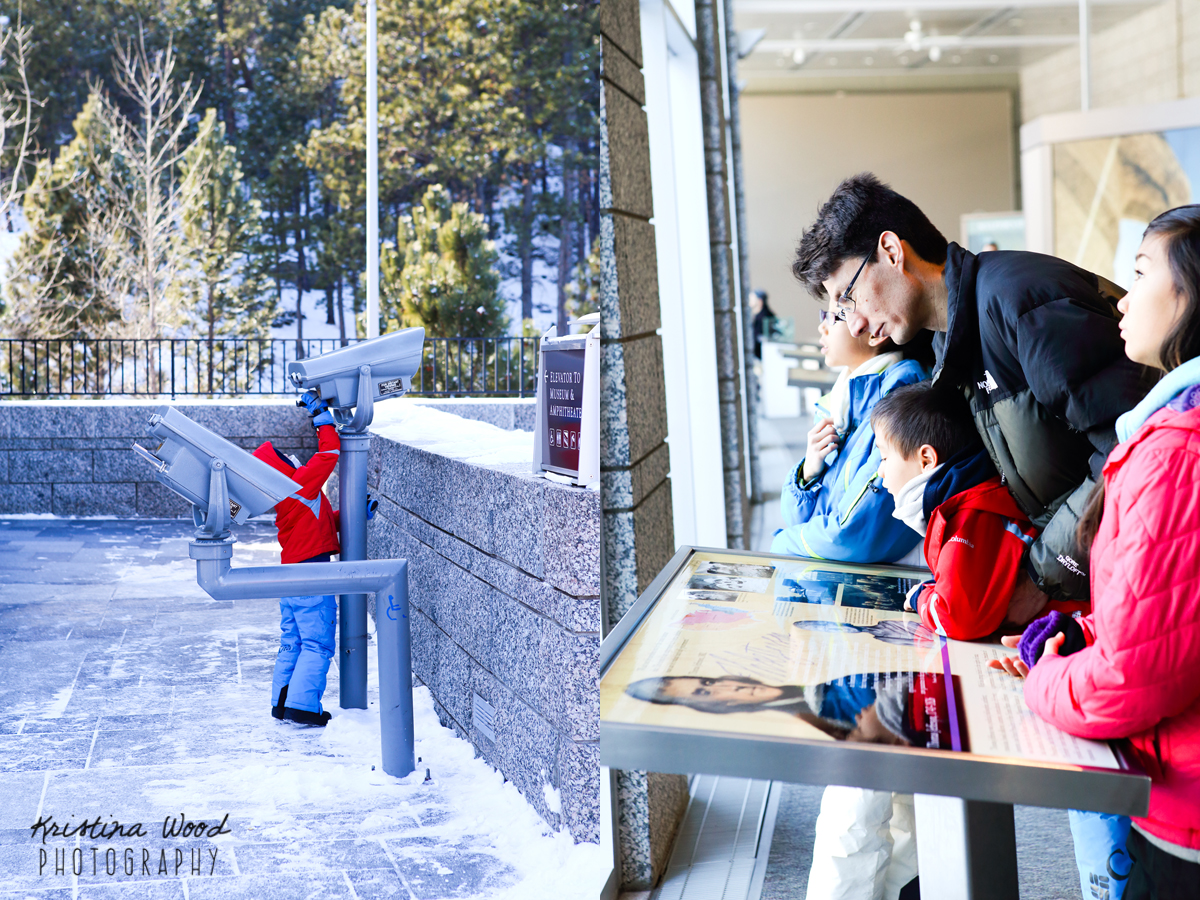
x: 567, y: 442
x: 794, y: 648
x: 562, y: 383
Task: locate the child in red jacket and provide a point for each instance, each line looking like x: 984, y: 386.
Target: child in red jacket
x: 946, y: 487
x: 308, y: 532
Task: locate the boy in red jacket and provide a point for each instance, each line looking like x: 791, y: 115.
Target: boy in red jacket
x: 308, y: 532
x: 946, y: 487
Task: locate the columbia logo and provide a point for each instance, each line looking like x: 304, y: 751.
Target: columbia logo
x: 1069, y: 564
x: 989, y: 383
x: 962, y: 541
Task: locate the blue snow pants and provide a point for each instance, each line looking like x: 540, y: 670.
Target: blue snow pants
x: 306, y: 645
x: 1104, y: 863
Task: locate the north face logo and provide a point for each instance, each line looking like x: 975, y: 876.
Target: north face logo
x: 989, y: 383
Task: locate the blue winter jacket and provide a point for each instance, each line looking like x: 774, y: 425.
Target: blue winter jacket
x: 845, y: 513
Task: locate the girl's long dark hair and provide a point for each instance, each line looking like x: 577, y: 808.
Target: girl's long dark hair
x: 1180, y: 231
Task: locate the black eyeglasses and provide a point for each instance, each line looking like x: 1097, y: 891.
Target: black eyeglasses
x: 845, y: 302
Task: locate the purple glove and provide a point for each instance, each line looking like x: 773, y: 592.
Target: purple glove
x: 1037, y: 632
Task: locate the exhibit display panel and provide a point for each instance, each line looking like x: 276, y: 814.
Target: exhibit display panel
x: 808, y: 670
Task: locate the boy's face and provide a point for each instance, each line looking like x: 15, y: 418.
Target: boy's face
x: 895, y: 469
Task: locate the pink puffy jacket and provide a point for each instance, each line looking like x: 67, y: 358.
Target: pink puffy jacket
x: 1140, y: 676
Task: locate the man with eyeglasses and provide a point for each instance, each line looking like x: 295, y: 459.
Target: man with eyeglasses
x: 1030, y: 339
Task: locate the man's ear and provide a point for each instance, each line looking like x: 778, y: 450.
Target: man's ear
x: 927, y: 455
x: 891, y: 250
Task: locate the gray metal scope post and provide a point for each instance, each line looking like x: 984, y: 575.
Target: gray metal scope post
x: 351, y: 379
x: 226, y: 485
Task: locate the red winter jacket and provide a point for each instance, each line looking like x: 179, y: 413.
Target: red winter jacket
x: 308, y: 526
x: 975, y: 545
x: 1140, y: 677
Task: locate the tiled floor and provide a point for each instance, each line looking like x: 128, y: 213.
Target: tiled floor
x: 127, y: 694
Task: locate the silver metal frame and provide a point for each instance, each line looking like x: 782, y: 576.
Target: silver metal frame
x: 907, y: 769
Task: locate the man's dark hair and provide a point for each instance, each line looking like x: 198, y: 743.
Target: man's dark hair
x: 849, y: 224
x: 917, y: 414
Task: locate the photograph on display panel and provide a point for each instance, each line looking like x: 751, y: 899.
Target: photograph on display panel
x: 819, y: 650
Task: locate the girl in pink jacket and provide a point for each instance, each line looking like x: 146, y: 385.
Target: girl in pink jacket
x: 1135, y: 669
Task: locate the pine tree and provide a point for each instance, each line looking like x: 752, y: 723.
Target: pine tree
x: 222, y: 287
x: 51, y: 284
x: 441, y: 274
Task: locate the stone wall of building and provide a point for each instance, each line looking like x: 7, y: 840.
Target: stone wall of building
x: 638, y: 525
x: 504, y: 584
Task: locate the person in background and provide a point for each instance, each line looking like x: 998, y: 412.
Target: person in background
x: 832, y: 504
x: 761, y: 311
x: 989, y: 247
x: 1129, y: 670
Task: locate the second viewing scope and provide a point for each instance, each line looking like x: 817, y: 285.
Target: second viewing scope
x: 393, y: 358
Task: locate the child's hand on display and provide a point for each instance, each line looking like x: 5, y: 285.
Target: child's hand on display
x: 1010, y: 664
x: 821, y: 440
x: 1013, y: 664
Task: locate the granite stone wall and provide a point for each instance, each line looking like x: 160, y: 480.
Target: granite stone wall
x: 504, y: 585
x: 635, y: 461
x: 74, y: 458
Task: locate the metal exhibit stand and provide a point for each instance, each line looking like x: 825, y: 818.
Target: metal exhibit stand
x: 964, y: 801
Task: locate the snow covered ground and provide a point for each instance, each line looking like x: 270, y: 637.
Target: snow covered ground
x: 127, y: 696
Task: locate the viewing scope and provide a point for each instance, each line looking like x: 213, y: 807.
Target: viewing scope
x: 362, y: 373
x: 211, y: 473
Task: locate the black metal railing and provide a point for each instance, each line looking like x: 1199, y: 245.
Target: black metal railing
x: 225, y: 367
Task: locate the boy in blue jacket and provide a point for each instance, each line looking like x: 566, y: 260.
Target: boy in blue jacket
x: 835, y: 507
x: 833, y: 504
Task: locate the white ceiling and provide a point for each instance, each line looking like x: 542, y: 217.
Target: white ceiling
x: 853, y: 39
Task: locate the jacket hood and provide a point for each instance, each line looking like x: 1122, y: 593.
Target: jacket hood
x: 990, y: 496
x: 1164, y: 418
x: 866, y: 389
x: 273, y: 458
x: 967, y: 468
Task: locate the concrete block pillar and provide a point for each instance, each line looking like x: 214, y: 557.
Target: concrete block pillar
x: 635, y: 492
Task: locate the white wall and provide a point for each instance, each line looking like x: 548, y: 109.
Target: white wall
x: 684, y: 272
x: 950, y: 153
x: 1149, y: 58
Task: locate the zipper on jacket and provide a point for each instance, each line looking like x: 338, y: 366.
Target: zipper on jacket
x: 870, y: 485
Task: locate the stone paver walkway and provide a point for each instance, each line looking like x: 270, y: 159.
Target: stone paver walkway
x: 128, y: 696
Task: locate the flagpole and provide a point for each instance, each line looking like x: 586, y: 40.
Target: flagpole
x: 372, y: 177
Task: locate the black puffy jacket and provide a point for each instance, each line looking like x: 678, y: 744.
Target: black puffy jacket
x: 1033, y: 342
